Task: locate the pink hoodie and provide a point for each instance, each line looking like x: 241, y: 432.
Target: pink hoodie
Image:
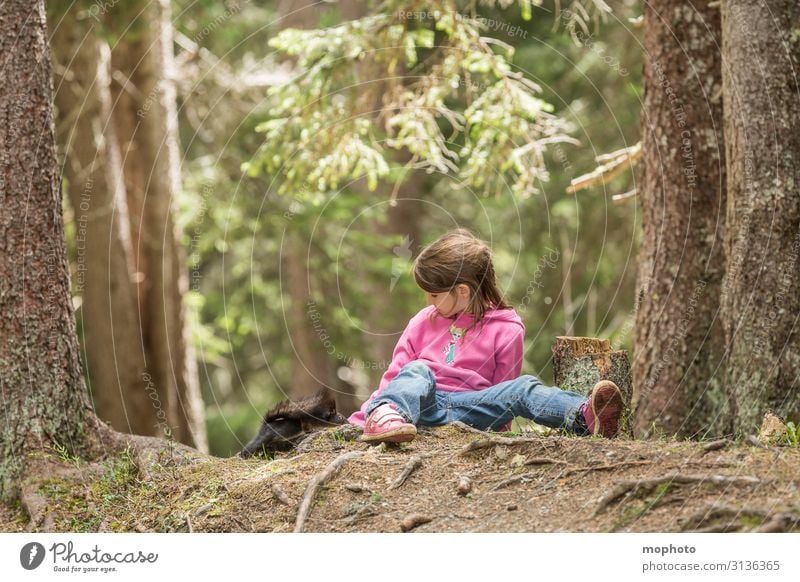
x: 490, y: 354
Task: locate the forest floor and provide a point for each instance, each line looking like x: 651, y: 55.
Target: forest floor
x: 462, y: 481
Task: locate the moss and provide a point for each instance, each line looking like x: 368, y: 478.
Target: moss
x: 634, y: 510
x: 751, y: 521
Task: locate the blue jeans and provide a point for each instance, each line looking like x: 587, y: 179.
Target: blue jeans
x: 413, y: 392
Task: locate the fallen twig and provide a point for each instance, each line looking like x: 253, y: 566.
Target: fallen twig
x: 414, y: 463
x: 647, y: 485
x: 513, y: 480
x: 608, y: 467
x: 318, y: 481
x: 752, y: 440
x: 362, y: 513
x: 467, y: 428
x: 492, y: 441
x: 204, y: 509
x: 715, y: 445
x: 544, y: 461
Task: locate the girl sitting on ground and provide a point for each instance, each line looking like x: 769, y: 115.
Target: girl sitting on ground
x: 460, y: 358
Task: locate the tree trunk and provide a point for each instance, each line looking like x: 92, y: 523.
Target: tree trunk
x: 93, y: 169
x: 384, y: 326
x: 312, y: 365
x: 678, y: 337
x: 146, y: 122
x: 44, y: 396
x: 761, y: 296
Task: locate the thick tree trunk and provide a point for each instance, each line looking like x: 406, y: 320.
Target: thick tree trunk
x: 312, y: 364
x: 93, y: 169
x: 678, y: 338
x: 145, y: 117
x: 761, y: 298
x: 44, y: 396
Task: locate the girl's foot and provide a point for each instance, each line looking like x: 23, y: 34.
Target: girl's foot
x: 603, y: 409
x: 386, y: 425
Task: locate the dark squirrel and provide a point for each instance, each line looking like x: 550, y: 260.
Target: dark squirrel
x: 291, y: 418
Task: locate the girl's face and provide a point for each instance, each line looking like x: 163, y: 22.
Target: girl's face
x: 452, y: 303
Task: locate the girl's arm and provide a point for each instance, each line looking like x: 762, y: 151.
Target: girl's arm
x: 508, y: 358
x: 404, y: 352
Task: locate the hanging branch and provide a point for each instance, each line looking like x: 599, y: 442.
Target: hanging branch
x: 611, y: 166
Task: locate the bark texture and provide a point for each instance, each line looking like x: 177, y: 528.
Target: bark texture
x: 44, y: 396
x: 679, y: 341
x: 312, y: 365
x: 145, y: 118
x: 581, y: 362
x: 761, y: 298
x: 95, y: 187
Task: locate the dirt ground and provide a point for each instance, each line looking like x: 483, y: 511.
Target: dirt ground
x: 461, y: 481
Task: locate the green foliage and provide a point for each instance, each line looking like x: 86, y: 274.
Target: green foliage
x: 424, y: 82
x: 792, y: 434
x: 64, y: 454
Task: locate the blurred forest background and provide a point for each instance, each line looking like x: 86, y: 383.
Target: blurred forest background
x: 289, y: 285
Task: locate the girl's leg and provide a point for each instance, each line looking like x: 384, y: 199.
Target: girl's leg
x: 413, y: 393
x: 525, y: 396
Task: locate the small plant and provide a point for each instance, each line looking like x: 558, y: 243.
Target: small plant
x: 64, y: 455
x: 792, y: 434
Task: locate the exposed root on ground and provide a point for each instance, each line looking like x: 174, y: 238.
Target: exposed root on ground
x: 318, y: 481
x: 634, y: 488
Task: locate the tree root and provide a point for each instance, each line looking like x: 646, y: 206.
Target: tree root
x: 414, y: 463
x: 485, y: 443
x: 718, y: 511
x: 719, y: 528
x: 637, y: 487
x: 40, y: 468
x: 780, y: 522
x: 608, y: 467
x: 316, y: 483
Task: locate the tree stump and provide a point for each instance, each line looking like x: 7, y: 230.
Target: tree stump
x: 580, y: 362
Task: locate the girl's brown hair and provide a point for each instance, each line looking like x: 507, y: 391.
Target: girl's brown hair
x: 455, y: 258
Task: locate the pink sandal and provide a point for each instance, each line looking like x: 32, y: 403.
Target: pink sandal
x: 386, y: 425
